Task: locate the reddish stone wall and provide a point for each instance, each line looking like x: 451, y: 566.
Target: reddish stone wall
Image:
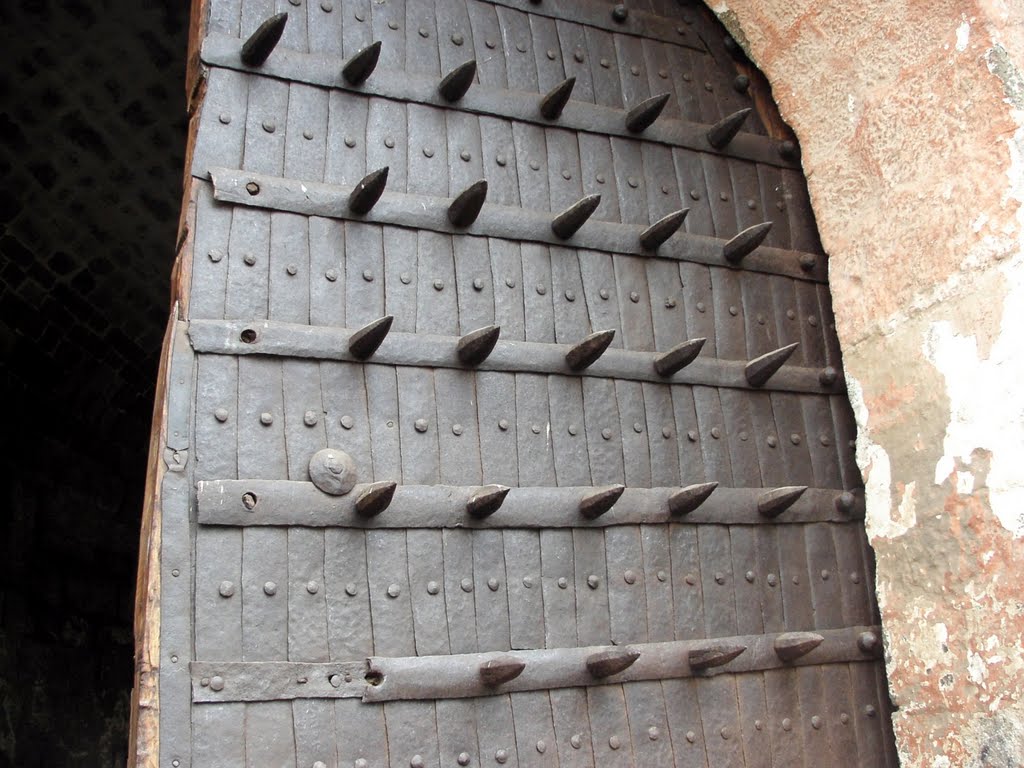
x: 910, y: 120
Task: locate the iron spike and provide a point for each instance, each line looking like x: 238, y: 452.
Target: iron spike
x: 486, y: 501
x: 640, y: 117
x: 376, y: 498
x: 262, y: 42
x: 762, y: 368
x: 611, y: 662
x: 368, y: 191
x: 725, y: 130
x: 554, y: 102
x: 744, y: 243
x: 773, y: 503
x: 687, y: 499
x: 792, y: 645
x: 677, y: 358
x: 466, y: 207
x: 476, y: 346
x: 455, y: 84
x: 364, y: 342
x: 575, y: 216
x: 501, y: 670
x: 715, y: 656
x: 361, y: 66
x: 662, y: 230
x: 585, y: 353
x: 595, y: 504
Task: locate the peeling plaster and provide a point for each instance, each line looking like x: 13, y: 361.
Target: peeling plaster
x: 963, y: 34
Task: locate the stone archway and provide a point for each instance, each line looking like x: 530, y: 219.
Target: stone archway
x: 909, y: 118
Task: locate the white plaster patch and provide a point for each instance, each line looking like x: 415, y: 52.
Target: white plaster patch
x: 986, y: 407
x: 976, y: 669
x: 963, y: 34
x: 941, y: 762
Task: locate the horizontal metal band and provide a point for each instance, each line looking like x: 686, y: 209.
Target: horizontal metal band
x: 379, y: 679
x: 499, y: 221
x: 294, y: 502
x: 224, y: 337
x: 325, y: 70
x: 640, y: 23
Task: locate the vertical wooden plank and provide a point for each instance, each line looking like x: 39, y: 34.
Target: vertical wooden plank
x: 346, y: 588
x: 711, y: 431
x: 483, y: 19
x: 525, y: 596
x: 657, y: 580
x: 604, y: 442
x: 559, y: 587
x: 305, y: 148
x: 326, y: 272
x: 220, y: 139
x: 668, y: 298
x: 346, y: 138
x: 572, y: 727
x: 632, y: 70
x: 436, y: 294
x: 401, y: 278
x: 210, y: 256
x: 474, y: 286
x: 498, y: 433
x: 575, y: 58
x: 536, y: 463
x: 694, y: 190
x: 496, y: 732
x: 568, y: 439
x: 248, y: 249
x: 289, y: 268
x: 357, y: 32
x: 629, y: 180
x: 387, y: 139
x: 422, y: 52
x: 412, y: 733
x: 741, y: 438
x: 507, y: 278
x: 648, y: 723
x: 634, y: 303
x: 428, y: 152
x: 604, y: 67
x: 537, y: 293
x: 388, y: 24
x: 609, y: 726
x: 691, y: 461
x: 326, y: 33
x: 456, y: 731
x: 633, y: 427
x: 390, y: 604
x: 730, y: 335
x: 534, y: 728
x: 427, y: 590
x: 700, y: 322
x: 548, y: 53
x: 466, y: 145
x: 758, y: 312
x: 597, y: 174
x: 661, y: 435
x: 454, y: 34
x: 364, y: 274
x: 361, y: 733
x: 458, y: 590
x: 564, y: 168
x: 627, y: 600
x: 265, y: 126
x: 418, y: 426
x: 684, y: 723
x: 457, y: 427
x: 498, y: 155
x: 517, y: 39
x: 598, y: 277
x: 531, y: 161
x: 492, y: 611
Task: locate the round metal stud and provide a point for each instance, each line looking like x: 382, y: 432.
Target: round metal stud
x: 347, y: 422
x: 465, y: 155
x: 605, y: 63
x: 772, y: 441
x: 772, y: 579
x: 575, y: 741
x: 691, y: 736
x: 175, y: 573
x: 690, y: 579
x: 614, y: 742
x: 332, y: 471
x: 226, y: 588
x: 503, y: 425
x: 725, y: 733
x: 269, y: 126
x: 562, y: 582
x: 249, y: 500
x: 535, y: 428
x: 466, y: 585
x: 249, y: 260
x: 550, y: 54
x: 733, y: 310
x: 309, y: 418
x: 816, y: 722
x: 456, y: 429
x: 638, y: 427
x: 719, y: 578
x: 501, y: 756
x: 350, y: 589
x: 662, y: 576
x: 787, y: 724
x: 542, y: 746
x: 510, y: 282
x: 603, y: 293
x: 417, y: 760
x: 716, y: 432
x: 691, y: 435
x: 368, y: 275
x: 795, y: 439
x: 215, y: 255
x: 420, y: 425
x: 606, y: 433
x: 394, y: 590
x: 844, y: 718
x: 534, y: 165
x: 463, y: 758
x: 634, y: 296
x: 478, y: 284
x: 331, y: 275
x: 350, y: 142
x: 573, y: 430
x: 492, y: 584
x: 501, y: 160
x: 666, y: 432
x: 225, y: 118
x: 749, y: 576
x: 252, y: 188
x: 266, y: 418
x: 593, y: 581
x: 216, y: 683
x: 269, y: 589
x: 653, y: 733
x: 528, y: 582
x: 541, y: 289
x: 869, y: 710
x: 620, y: 13
x: 701, y: 307
x: 433, y: 587
x: 312, y: 587
x: 629, y: 577
x: 221, y: 415
x: 632, y: 182
x: 458, y: 39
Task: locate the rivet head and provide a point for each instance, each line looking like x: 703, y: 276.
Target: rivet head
x: 772, y: 579
x: 550, y: 54
x: 347, y: 422
x: 501, y: 160
x: 458, y: 39
x: 807, y: 262
x: 501, y: 756
x: 175, y: 573
x: 490, y: 43
x: 534, y: 165
x: 825, y: 575
x: 867, y: 641
x: 694, y: 194
x: 433, y: 587
x: 368, y: 275
x: 758, y: 725
x: 603, y: 293
x: 638, y: 427
x: 629, y: 577
x: 350, y: 589
x: 575, y: 741
x: 719, y: 578
x: 312, y: 587
x: 666, y: 432
x: 465, y: 155
x: 249, y: 500
x: 221, y: 415
x: 521, y: 47
x: 870, y: 711
x: 816, y: 722
x: 593, y: 581
x: 216, y: 683
x: 787, y: 724
x: 541, y: 289
x: 417, y: 760
x: 828, y: 376
x: 309, y: 418
x: 606, y: 433
x: 653, y: 733
x: 790, y: 314
x: 605, y: 63
x: 760, y: 319
x: 733, y: 310
x: 225, y: 118
x: 844, y: 718
x: 466, y: 585
x: 478, y: 284
x: 420, y: 425
x: 361, y: 763
x: 772, y: 441
x: 405, y: 278
x: 633, y: 182
x: 662, y: 576
x: 744, y: 436
x: 423, y: 32
x: 634, y: 70
x: 670, y: 303
x: 855, y: 577
x: 620, y: 13
x: 600, y: 178
x: 528, y: 581
x: 215, y: 254
x: 269, y: 126
x: 535, y: 428
x: 269, y: 589
x: 563, y: 583
x: 331, y: 275
x: 226, y: 588
x: 542, y: 746
x: 691, y: 435
x: 716, y: 432
x: 614, y: 742
x: 249, y: 260
x: 510, y: 282
x: 503, y: 425
x: 794, y: 439
x: 319, y: 764
x: 394, y: 590
x: 307, y: 135
x: 252, y: 188
x: 701, y: 307
x: 350, y: 142
x: 266, y: 418
x: 438, y: 285
x: 634, y: 297
x: 456, y: 429
x: 812, y: 321
x: 725, y: 732
x: 492, y: 584
x: 463, y: 758
x: 691, y: 736
x: 751, y: 204
x: 578, y: 55
x: 573, y: 430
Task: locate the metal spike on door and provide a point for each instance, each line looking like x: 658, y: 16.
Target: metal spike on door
x: 611, y: 662
x: 715, y: 656
x: 759, y: 370
x: 790, y: 646
x: 261, y: 43
x: 457, y: 82
x: 375, y: 498
x: 773, y: 503
x: 368, y: 191
x: 595, y: 504
x: 568, y: 222
x: 486, y: 501
x: 364, y: 342
x: 687, y: 499
x: 725, y: 130
x: 585, y: 353
x: 643, y: 115
x: 554, y: 101
x: 681, y: 355
x: 476, y: 346
x: 502, y: 670
x: 745, y: 242
x: 661, y: 230
x: 466, y: 207
x: 361, y: 66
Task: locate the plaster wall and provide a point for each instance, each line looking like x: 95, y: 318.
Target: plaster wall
x: 910, y: 115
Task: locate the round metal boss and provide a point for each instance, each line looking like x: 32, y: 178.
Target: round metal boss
x: 332, y: 471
